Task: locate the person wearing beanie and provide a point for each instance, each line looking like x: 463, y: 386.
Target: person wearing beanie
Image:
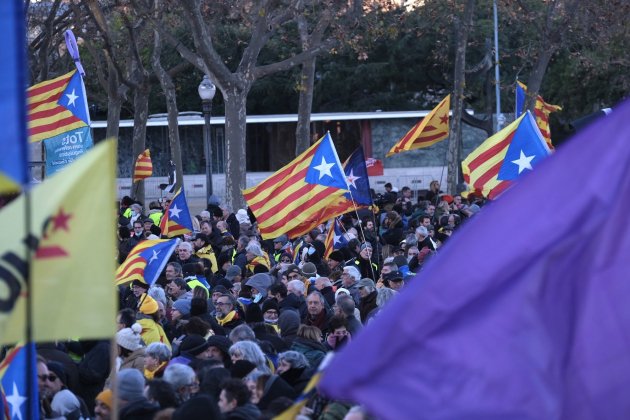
x: 130, y: 348
x: 104, y: 404
x: 148, y: 317
x: 131, y: 400
x: 270, y: 312
x: 180, y: 314
x: 193, y: 346
x: 219, y: 349
x: 335, y: 264
x: 57, y: 382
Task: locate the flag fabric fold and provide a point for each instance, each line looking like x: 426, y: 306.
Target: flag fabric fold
x: 146, y: 261
x: 14, y: 156
x: 542, y: 110
x: 538, y: 326
x: 73, y: 254
x: 430, y: 130
x: 14, y: 383
x: 143, y: 167
x: 334, y: 237
x: 492, y: 167
x: 356, y: 173
x: 306, y: 192
x: 176, y: 220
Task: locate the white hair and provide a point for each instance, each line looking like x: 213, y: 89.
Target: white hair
x: 254, y: 248
x: 352, y: 272
x: 298, y: 285
x: 186, y: 245
x: 179, y: 375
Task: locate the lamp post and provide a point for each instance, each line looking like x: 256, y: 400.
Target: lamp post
x: 206, y: 92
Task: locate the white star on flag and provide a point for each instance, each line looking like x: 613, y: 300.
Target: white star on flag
x: 154, y: 256
x: 524, y: 162
x: 324, y: 168
x: 71, y: 98
x: 336, y: 239
x: 174, y: 211
x: 352, y: 178
x: 16, y: 401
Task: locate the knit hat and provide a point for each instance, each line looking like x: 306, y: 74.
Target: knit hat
x: 130, y: 385
x: 129, y: 338
x: 365, y: 245
x: 336, y: 256
x: 220, y: 289
x: 309, y: 270
x: 182, y: 306
x: 281, y: 239
x: 140, y: 283
x: 270, y: 304
x: 148, y: 306
x: 232, y: 272
x: 193, y: 344
x: 342, y: 290
x: 242, y: 368
x: 64, y: 403
x: 106, y: 397
x: 222, y: 343
x: 59, y: 370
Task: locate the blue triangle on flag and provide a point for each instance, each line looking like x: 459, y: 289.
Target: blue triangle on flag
x: 74, y: 100
x: 325, y: 168
x: 357, y: 176
x: 526, y: 150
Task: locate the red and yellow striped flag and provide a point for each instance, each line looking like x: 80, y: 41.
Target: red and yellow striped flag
x: 144, y: 167
x: 481, y: 167
x: 286, y: 204
x: 430, y: 130
x: 541, y: 111
x: 46, y: 116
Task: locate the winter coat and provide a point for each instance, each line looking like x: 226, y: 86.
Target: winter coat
x: 152, y: 332
x: 312, y: 350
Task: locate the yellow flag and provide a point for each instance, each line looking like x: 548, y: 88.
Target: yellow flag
x: 72, y: 263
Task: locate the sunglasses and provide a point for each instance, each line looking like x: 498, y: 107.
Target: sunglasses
x: 285, y: 260
x: 50, y: 377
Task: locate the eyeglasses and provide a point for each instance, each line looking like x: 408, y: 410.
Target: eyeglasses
x: 272, y: 312
x: 50, y: 377
x: 223, y: 303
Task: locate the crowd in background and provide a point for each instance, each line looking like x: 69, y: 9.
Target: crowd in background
x: 236, y: 326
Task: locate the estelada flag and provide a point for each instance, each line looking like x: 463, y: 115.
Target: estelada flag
x: 176, y: 220
x: 73, y: 254
x: 541, y: 109
x: 306, y: 192
x: 430, y: 130
x: 56, y: 106
x: 146, y: 261
x: 143, y: 167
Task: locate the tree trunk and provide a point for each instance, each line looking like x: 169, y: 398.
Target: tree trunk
x: 114, y: 103
x: 303, y: 129
x: 168, y: 87
x: 140, y: 116
x: 536, y: 77
x: 455, y: 139
x: 236, y: 161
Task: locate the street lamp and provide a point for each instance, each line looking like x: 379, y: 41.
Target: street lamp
x: 206, y: 92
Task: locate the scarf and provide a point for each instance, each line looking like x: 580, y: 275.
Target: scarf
x: 229, y: 317
x: 149, y: 374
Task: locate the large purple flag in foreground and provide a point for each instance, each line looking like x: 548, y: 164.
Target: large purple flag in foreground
x: 525, y: 314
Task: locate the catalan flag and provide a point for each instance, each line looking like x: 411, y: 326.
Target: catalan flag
x: 143, y: 167
x: 491, y: 167
x: 310, y: 390
x: 14, y: 383
x: 430, y: 130
x: 306, y: 192
x: 146, y: 261
x: 542, y: 110
x: 176, y: 220
x: 56, y: 106
x: 14, y: 156
x: 334, y: 237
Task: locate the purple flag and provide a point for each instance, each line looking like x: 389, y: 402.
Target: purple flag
x: 525, y: 314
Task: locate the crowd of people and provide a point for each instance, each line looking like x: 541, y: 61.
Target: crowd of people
x: 236, y: 326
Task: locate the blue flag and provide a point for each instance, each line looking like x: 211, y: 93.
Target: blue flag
x: 14, y: 157
x: 537, y: 326
x: 15, y: 386
x: 357, y: 176
x: 339, y: 240
x: 526, y: 150
x: 146, y: 261
x: 325, y: 168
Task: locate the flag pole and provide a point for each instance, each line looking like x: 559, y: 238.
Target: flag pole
x: 497, y: 86
x: 356, y: 211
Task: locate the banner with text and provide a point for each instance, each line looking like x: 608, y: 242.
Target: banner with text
x: 65, y: 148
